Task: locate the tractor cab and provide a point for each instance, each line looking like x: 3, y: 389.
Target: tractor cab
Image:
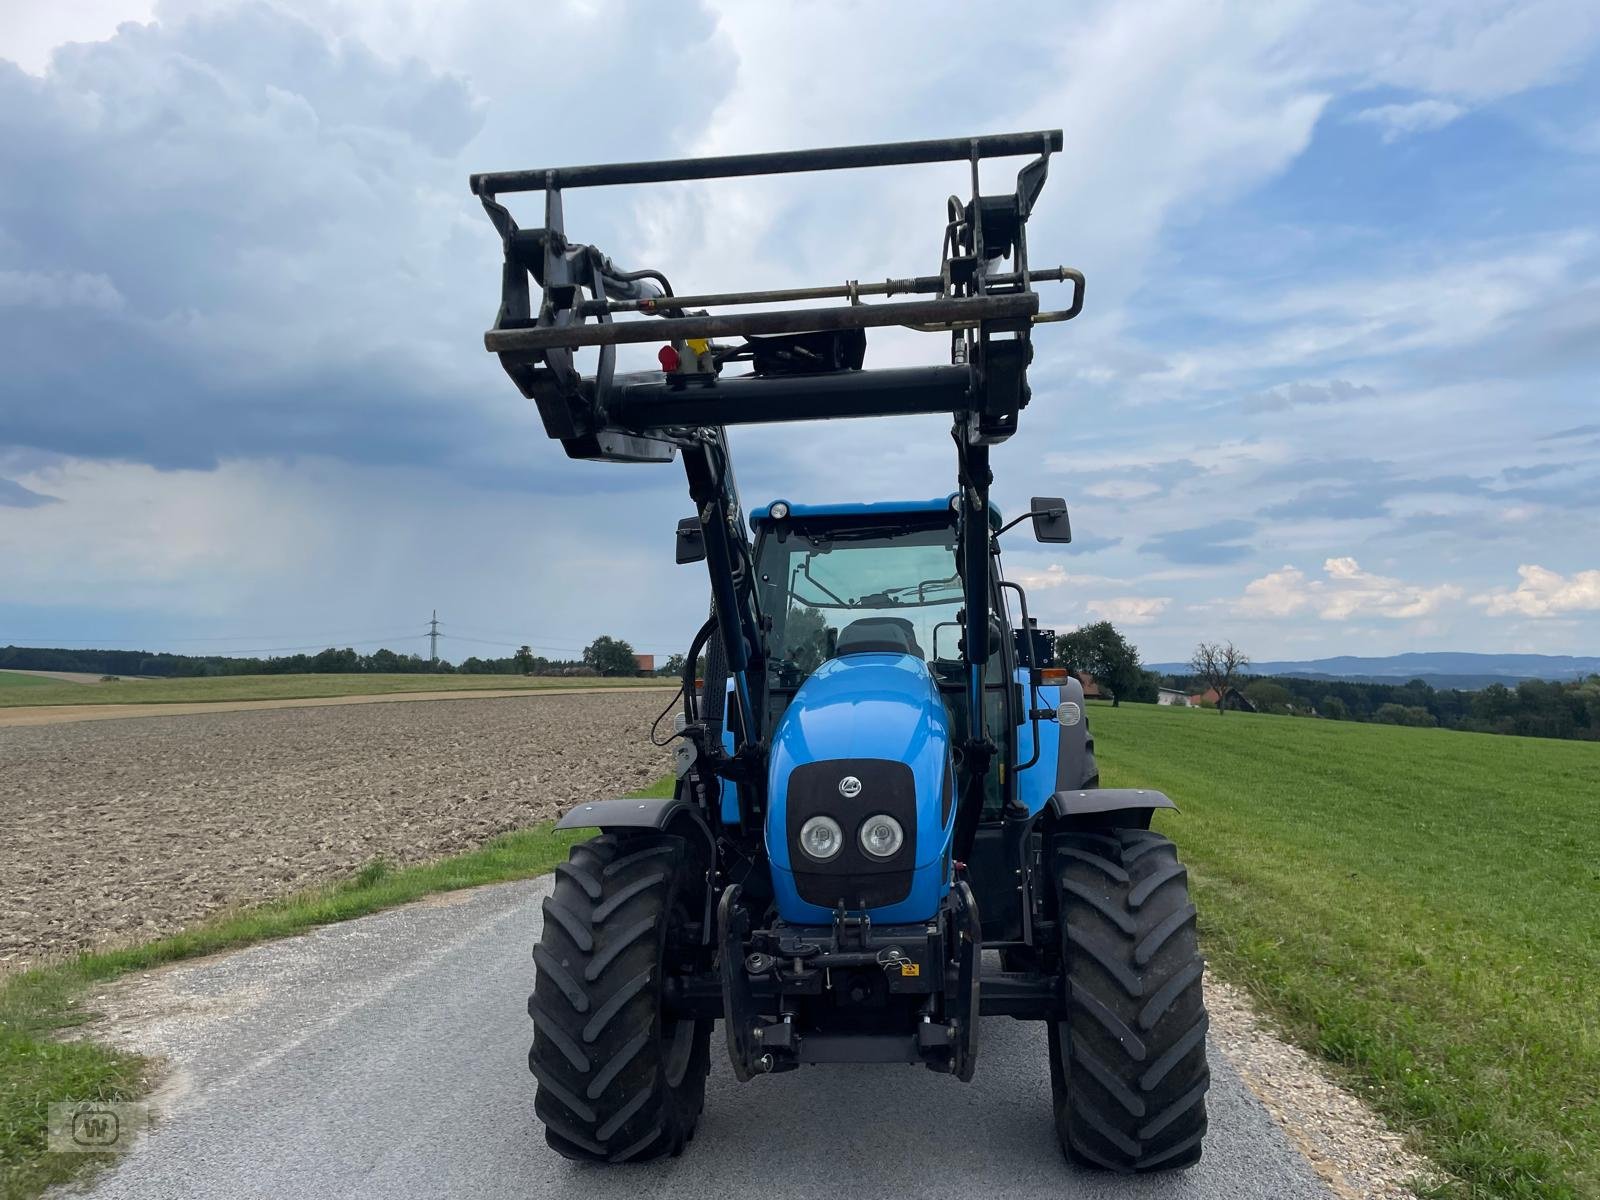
x: 842, y: 580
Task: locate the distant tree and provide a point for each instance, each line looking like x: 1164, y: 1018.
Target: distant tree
x: 524, y: 660
x: 1401, y: 714
x: 336, y: 662
x: 610, y: 656
x: 1269, y: 697
x: 672, y: 668
x: 1146, y: 687
x: 1333, y: 708
x: 1104, y: 653
x: 1218, y: 665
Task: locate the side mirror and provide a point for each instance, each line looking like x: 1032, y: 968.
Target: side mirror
x: 691, y: 541
x: 1050, y: 523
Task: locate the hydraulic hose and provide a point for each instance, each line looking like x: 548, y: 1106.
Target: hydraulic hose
x: 691, y: 702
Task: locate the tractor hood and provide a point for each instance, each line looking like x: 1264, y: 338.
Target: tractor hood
x: 866, y: 734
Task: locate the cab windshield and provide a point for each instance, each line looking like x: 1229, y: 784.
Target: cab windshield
x: 871, y: 587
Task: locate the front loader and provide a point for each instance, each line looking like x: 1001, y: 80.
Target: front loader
x: 887, y: 822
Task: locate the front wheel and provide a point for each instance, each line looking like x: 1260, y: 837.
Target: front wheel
x: 1128, y: 1066
x: 621, y: 1078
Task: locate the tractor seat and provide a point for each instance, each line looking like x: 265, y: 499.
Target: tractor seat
x: 878, y: 635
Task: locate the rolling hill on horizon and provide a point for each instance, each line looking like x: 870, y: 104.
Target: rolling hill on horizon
x: 1440, y: 668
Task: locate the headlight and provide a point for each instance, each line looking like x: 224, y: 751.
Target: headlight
x: 821, y: 838
x: 1068, y: 713
x: 778, y: 510
x: 881, y: 836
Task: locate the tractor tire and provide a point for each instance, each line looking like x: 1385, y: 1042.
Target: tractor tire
x: 1128, y: 1069
x: 620, y: 1078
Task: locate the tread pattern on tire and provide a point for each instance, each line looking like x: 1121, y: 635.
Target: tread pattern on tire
x: 604, y: 1094
x: 1128, y: 1062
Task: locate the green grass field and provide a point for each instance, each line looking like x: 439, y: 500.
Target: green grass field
x: 276, y: 687
x: 1420, y: 907
x: 11, y: 681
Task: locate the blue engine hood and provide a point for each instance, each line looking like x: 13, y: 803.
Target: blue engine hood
x: 867, y: 706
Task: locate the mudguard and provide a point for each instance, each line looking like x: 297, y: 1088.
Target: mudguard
x: 626, y: 813
x: 1099, y: 800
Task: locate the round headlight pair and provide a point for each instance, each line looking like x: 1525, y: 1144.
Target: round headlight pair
x: 881, y: 836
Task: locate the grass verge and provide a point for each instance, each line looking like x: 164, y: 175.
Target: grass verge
x: 1421, y: 908
x: 37, y: 1068
x: 286, y: 687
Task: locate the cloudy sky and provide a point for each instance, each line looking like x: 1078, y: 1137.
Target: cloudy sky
x: 1334, y: 390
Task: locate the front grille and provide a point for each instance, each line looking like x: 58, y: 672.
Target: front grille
x: 853, y: 877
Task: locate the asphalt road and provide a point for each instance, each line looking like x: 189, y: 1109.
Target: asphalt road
x: 385, y: 1057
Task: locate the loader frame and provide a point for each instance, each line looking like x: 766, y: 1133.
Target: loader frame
x: 985, y: 304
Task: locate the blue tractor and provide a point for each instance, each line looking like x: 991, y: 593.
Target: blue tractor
x: 887, y: 821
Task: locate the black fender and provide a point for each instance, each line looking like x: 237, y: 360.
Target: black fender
x: 670, y: 814
x: 626, y: 812
x: 1079, y: 802
x: 1089, y: 808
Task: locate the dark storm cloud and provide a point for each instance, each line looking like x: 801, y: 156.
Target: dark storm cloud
x: 229, y: 236
x: 1206, y: 545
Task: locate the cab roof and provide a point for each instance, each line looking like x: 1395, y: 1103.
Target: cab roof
x: 876, y: 508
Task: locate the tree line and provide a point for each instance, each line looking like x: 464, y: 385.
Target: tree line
x: 603, y: 656
x: 1534, y: 708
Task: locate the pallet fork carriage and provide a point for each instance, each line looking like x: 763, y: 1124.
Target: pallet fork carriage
x: 859, y: 814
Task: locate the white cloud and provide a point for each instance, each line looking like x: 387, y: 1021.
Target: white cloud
x: 1444, y: 300
x: 1545, y: 593
x: 1122, y: 489
x: 33, y: 29
x: 1401, y: 120
x: 1129, y: 610
x: 1344, y: 592
x: 1057, y: 576
x: 1468, y: 49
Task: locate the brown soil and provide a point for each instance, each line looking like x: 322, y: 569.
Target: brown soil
x: 117, y: 831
